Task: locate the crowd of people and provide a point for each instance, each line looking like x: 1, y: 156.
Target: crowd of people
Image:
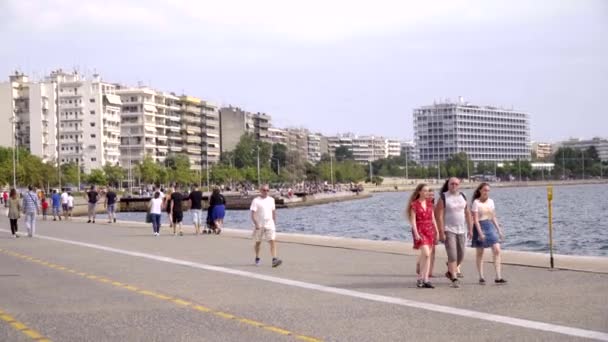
x: 449, y: 219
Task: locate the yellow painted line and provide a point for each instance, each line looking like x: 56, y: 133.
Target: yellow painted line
x: 277, y: 330
x: 224, y: 315
x: 306, y: 338
x: 177, y: 301
x: 181, y: 302
x: 201, y: 308
x: 19, y: 326
x: 251, y: 322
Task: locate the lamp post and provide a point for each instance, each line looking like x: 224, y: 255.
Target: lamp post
x: 258, y: 159
x: 406, y: 168
x: 14, y: 122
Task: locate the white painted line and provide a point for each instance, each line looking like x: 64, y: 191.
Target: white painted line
x: 524, y: 323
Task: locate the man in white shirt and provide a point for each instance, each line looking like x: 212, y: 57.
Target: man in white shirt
x: 264, y: 215
x: 64, y: 203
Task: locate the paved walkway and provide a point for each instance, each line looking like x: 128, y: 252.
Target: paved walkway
x: 85, y: 282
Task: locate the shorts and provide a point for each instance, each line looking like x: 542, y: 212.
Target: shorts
x: 454, y: 246
x: 178, y: 216
x: 111, y: 208
x: 64, y: 206
x: 92, y: 209
x: 55, y: 211
x: 264, y: 234
x: 197, y: 217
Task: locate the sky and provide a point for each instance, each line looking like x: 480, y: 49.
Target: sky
x: 333, y: 66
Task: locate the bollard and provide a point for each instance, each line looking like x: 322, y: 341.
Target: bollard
x: 549, y: 199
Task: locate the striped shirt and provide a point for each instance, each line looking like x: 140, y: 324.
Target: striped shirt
x: 30, y: 202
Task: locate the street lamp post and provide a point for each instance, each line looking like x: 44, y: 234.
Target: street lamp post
x: 14, y: 122
x: 406, y: 168
x: 258, y: 159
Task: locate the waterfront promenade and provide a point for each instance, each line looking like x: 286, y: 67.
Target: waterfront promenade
x: 85, y: 282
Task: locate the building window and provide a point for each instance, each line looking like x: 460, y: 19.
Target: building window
x: 92, y: 124
x: 93, y: 159
x: 92, y: 112
x: 92, y: 100
x: 93, y: 136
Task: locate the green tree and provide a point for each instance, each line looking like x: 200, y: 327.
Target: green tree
x: 114, y: 174
x: 279, y: 157
x: 97, y: 177
x: 246, y: 152
x: 148, y: 170
x: 343, y: 153
x: 178, y: 166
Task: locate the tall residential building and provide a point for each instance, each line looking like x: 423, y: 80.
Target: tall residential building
x: 408, y: 150
x: 600, y: 144
x: 89, y: 120
x: 200, y: 131
x: 297, y: 141
x: 364, y: 148
x: 277, y: 136
x: 484, y: 133
x: 150, y: 125
x: 315, y: 147
x: 30, y: 108
x: 541, y: 150
x: 393, y: 148
x: 234, y: 122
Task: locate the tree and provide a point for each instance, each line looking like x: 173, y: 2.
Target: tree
x: 246, y: 152
x: 97, y: 177
x: 457, y: 165
x: 148, y: 170
x: 279, y: 157
x: 69, y: 173
x: 114, y: 174
x: 343, y: 153
x: 179, y: 169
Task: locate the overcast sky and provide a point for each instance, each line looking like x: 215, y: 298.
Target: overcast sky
x: 333, y: 66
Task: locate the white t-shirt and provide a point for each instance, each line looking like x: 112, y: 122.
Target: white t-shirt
x: 454, y: 218
x: 70, y: 201
x: 64, y: 198
x: 263, y: 209
x: 155, y: 205
x: 485, y: 210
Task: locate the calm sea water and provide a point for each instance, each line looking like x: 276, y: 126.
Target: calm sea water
x: 580, y: 218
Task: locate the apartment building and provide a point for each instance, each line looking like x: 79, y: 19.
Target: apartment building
x: 234, y: 122
x: 150, y: 125
x: 541, y: 150
x: 30, y: 108
x: 393, y: 148
x: 315, y: 147
x: 484, y: 133
x: 200, y: 131
x: 408, y: 149
x: 364, y: 148
x: 89, y: 120
x: 600, y: 144
x: 277, y: 136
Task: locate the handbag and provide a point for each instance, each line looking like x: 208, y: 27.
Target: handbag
x: 148, y: 217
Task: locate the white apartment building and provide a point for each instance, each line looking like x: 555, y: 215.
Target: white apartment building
x: 29, y: 108
x: 364, y: 148
x: 200, y: 131
x: 314, y: 147
x: 393, y: 148
x: 600, y: 144
x: 408, y: 149
x: 150, y: 125
x: 89, y: 120
x: 277, y: 136
x: 484, y: 133
x: 542, y: 150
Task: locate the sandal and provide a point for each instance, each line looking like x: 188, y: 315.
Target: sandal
x: 482, y: 281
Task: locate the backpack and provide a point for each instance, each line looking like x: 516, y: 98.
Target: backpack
x: 442, y: 196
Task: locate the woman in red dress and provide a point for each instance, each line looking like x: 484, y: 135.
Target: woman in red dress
x: 424, y: 229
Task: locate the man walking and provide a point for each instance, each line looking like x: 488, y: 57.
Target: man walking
x: 64, y: 203
x: 110, y: 205
x: 453, y: 220
x: 30, y: 208
x: 196, y: 206
x: 93, y: 197
x: 264, y: 215
x: 56, y: 203
x: 177, y: 212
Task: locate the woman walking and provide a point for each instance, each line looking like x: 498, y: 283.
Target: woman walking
x: 155, y: 207
x: 424, y: 229
x: 217, y: 202
x: 14, y: 211
x: 487, y: 232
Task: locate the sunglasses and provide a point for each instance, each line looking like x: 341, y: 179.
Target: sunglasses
x: 264, y: 190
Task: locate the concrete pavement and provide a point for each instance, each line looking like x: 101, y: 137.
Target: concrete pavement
x: 85, y: 282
